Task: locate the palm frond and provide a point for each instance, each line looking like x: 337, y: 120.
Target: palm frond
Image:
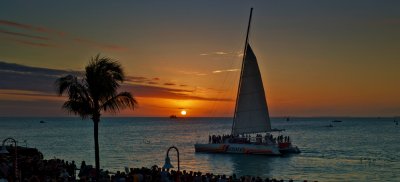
x: 77, y: 95
x: 64, y: 83
x: 103, y: 77
x: 121, y: 101
x: 78, y: 107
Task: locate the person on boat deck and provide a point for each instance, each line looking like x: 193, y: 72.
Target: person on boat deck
x: 258, y: 138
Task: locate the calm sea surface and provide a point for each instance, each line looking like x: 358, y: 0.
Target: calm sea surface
x: 357, y: 149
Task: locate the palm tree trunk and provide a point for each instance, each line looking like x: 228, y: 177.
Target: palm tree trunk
x: 96, y: 120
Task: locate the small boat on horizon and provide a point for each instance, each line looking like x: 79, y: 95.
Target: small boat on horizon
x: 251, y: 126
x: 337, y: 121
x: 41, y: 121
x: 277, y: 129
x: 173, y: 117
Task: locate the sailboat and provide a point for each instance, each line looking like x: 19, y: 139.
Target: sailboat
x: 251, y: 123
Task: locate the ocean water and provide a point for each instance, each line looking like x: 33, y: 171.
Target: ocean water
x: 357, y: 149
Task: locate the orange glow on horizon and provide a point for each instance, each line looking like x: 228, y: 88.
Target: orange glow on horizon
x: 183, y: 113
x: 162, y: 107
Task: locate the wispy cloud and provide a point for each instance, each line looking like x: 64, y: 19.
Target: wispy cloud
x: 30, y: 43
x: 215, y: 53
x: 23, y: 35
x: 137, y: 79
x: 167, y: 93
x: 20, y: 77
x: 192, y: 73
x: 169, y: 84
x: 24, y: 93
x: 204, y: 74
x: 228, y: 70
x: 223, y: 53
x: 23, y: 69
x: 152, y: 83
x: 31, y: 27
x: 142, y: 80
x: 50, y: 33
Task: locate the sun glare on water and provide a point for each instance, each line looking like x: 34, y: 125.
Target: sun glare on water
x: 183, y: 112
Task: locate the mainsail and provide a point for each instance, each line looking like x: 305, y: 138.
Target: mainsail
x: 251, y: 113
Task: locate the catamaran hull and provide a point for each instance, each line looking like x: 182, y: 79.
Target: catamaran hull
x: 288, y: 148
x: 238, y: 148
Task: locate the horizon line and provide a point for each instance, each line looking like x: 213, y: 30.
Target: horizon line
x: 397, y: 116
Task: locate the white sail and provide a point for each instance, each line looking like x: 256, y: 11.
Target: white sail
x: 251, y: 113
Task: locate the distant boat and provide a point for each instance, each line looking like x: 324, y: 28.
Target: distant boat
x: 251, y: 121
x: 287, y: 119
x: 336, y: 121
x: 329, y: 126
x: 41, y: 121
x: 173, y: 117
x: 277, y: 129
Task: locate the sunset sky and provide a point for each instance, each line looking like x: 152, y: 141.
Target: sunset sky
x: 317, y: 58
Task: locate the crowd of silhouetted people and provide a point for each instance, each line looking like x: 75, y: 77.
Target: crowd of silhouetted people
x: 218, y: 138
x: 54, y: 170
x: 258, y: 139
x: 33, y: 168
x: 156, y: 174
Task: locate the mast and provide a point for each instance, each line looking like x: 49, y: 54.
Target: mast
x: 241, y: 72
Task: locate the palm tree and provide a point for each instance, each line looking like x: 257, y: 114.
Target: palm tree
x: 95, y: 92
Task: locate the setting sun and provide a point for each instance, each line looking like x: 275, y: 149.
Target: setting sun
x: 183, y: 112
